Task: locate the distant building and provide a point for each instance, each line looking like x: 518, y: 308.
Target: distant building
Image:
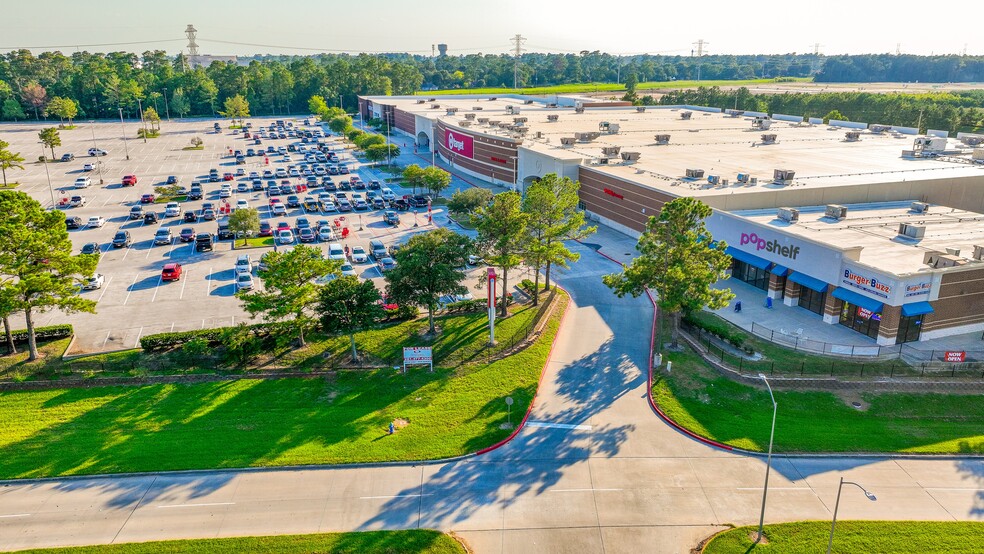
x: 205, y: 60
x: 442, y: 50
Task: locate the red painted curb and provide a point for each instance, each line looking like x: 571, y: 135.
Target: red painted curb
x: 649, y: 391
x: 535, y: 394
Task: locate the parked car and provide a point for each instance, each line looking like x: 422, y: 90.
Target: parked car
x: 306, y: 234
x: 325, y: 234
x: 266, y: 230
x: 77, y: 201
x: 244, y: 264
x: 196, y: 192
x: 88, y: 167
x: 190, y: 216
x: 187, y: 234
x: 285, y: 236
x: 90, y: 248
x: 204, y: 242
x: 129, y: 180
x: 94, y: 282
x: 122, y: 239
x: 171, y: 272
x: 224, y: 232
x: 147, y: 198
x: 244, y: 281
x: 336, y: 252
x: 74, y: 222
x: 96, y: 221
x: 278, y: 209
x: 83, y: 182
x: 387, y: 264
x: 172, y: 209
x: 151, y: 218
x: 136, y: 212
x: 97, y: 152
x: 67, y: 157
x: 387, y: 194
x: 358, y: 255
x: 391, y: 217
x: 162, y: 236
x: 171, y: 180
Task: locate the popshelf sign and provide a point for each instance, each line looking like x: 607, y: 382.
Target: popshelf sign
x: 417, y: 355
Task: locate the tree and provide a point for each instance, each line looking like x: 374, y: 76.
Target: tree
x: 427, y: 268
x: 153, y: 118
x: 469, y: 200
x: 36, y: 259
x: 180, y: 103
x: 64, y: 108
x: 289, y: 293
x: 49, y: 137
x: 380, y: 152
x: 317, y: 105
x: 413, y: 174
x: 340, y: 124
x: 558, y: 219
x: 436, y: 180
x: 236, y: 107
x: 12, y: 109
x: 370, y: 139
x: 35, y: 95
x: 501, y: 231
x: 9, y: 160
x: 833, y: 114
x: 678, y: 262
x: 8, y: 307
x: 245, y: 222
x: 347, y: 305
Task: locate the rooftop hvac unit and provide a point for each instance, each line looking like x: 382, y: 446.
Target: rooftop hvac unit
x: 880, y: 128
x: 761, y: 123
x: 483, y: 120
x: 783, y: 175
x: 477, y: 108
x: 512, y: 109
x: 551, y: 104
x: 953, y: 251
x: 979, y: 253
x: 567, y: 141
x: 587, y: 137
x: 940, y: 260
x: 769, y: 139
x: 662, y: 139
x: 494, y: 122
x: 538, y: 135
x: 686, y: 115
x: 734, y: 113
x: 465, y: 123
x: 630, y: 156
x: 929, y: 144
x: 452, y: 111
x: 470, y: 116
x: 789, y: 215
x: 520, y: 120
x: 852, y: 136
x: 552, y: 117
x: 528, y: 102
x: 919, y: 207
x: 432, y: 99
x: 835, y: 211
x: 522, y: 130
x: 602, y: 161
x: 505, y: 125
x: 435, y: 106
x: 579, y: 109
x: 724, y: 182
x: 742, y: 178
x: 695, y: 173
x: 753, y: 181
x: 493, y: 98
x: 641, y: 109
x: 971, y: 140
x: 611, y: 150
x: 421, y: 101
x: 713, y: 179
x: 603, y: 126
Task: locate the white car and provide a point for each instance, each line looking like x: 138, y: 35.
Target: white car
x: 279, y: 209
x: 242, y: 204
x: 94, y: 282
x: 244, y: 281
x: 336, y: 252
x: 172, y: 209
x: 96, y: 221
x: 226, y: 191
x: 89, y: 167
x: 347, y: 269
x: 329, y: 206
x: 287, y: 158
x: 294, y: 173
x: 325, y: 234
x: 244, y: 264
x: 243, y: 186
x: 286, y: 236
x: 281, y: 173
x: 83, y: 183
x: 358, y: 255
x: 254, y: 175
x: 387, y: 194
x: 97, y: 152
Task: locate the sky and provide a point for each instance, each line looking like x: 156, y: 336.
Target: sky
x: 247, y: 27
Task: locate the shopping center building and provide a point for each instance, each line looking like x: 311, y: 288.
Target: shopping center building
x: 897, y: 258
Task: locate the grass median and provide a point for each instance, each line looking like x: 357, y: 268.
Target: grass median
x: 417, y: 541
x: 335, y: 419
x: 609, y: 87
x: 884, y: 537
x: 703, y: 401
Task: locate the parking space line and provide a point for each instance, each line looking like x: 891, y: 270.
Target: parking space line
x: 104, y: 287
x: 208, y: 287
x: 125, y: 253
x: 172, y: 327
x: 139, y: 334
x: 149, y: 250
x: 107, y: 337
x: 135, y: 277
x: 183, y: 283
x: 157, y: 288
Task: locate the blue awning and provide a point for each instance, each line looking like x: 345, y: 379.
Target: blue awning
x: 848, y: 295
x: 749, y: 259
x: 916, y: 308
x: 779, y: 271
x: 808, y: 282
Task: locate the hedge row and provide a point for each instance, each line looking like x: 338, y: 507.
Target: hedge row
x: 163, y: 341
x: 51, y: 332
x: 721, y: 330
x: 466, y: 306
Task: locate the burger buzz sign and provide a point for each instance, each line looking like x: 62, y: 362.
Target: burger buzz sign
x: 417, y: 355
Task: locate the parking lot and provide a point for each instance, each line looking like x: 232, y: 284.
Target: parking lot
x: 134, y: 301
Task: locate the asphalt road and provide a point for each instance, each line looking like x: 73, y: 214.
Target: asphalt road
x: 594, y: 470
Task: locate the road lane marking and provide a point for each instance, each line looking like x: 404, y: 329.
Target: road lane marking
x: 558, y: 425
x: 197, y: 505
x: 394, y: 496
x: 14, y: 515
x: 582, y: 490
x: 774, y: 488
x: 125, y: 300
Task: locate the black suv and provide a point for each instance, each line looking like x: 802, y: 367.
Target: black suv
x: 418, y: 201
x: 150, y: 218
x: 203, y: 242
x: 74, y: 222
x: 224, y: 232
x: 195, y: 193
x: 122, y: 239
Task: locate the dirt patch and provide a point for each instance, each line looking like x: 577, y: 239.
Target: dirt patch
x: 752, y: 535
x: 852, y: 399
x: 400, y: 423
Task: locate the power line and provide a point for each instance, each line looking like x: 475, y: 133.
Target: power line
x: 517, y: 41
x: 89, y: 45
x: 308, y: 48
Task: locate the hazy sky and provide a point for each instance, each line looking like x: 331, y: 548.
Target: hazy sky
x: 627, y: 27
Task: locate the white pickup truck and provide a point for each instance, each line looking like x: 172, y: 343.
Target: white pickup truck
x: 77, y: 201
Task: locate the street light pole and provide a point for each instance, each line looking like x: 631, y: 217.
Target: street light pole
x: 833, y: 523
x: 768, y: 465
x: 125, y: 147
x: 166, y: 109
x: 47, y: 174
x: 388, y: 161
x: 143, y: 124
x: 92, y: 127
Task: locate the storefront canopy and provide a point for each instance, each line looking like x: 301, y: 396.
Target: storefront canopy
x: 916, y: 308
x: 779, y: 271
x: 749, y: 259
x: 856, y: 299
x: 808, y: 282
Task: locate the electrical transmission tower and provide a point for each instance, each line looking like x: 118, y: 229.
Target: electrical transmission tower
x: 700, y: 44
x: 517, y: 41
x: 191, y: 32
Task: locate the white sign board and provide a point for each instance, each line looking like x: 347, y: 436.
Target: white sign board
x: 417, y: 355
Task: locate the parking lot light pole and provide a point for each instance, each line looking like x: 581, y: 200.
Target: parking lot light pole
x: 125, y: 147
x: 833, y: 523
x: 166, y: 110
x: 92, y: 127
x: 143, y: 124
x: 50, y: 190
x: 768, y: 465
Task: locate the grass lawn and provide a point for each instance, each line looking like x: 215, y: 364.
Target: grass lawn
x: 10, y: 185
x: 253, y: 242
x: 883, y: 537
x: 700, y: 399
x: 202, y: 147
x: 342, y: 418
x: 419, y: 541
x: 160, y: 199
x: 603, y: 87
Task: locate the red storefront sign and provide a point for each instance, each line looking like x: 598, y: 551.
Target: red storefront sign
x: 955, y: 356
x: 459, y: 143
x: 500, y: 160
x: 611, y: 192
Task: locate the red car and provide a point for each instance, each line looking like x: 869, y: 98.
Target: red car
x: 147, y: 199
x: 282, y: 226
x: 171, y: 272
x: 266, y: 230
x: 129, y: 180
x: 228, y: 177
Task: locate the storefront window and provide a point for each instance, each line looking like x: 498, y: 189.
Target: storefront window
x: 909, y: 329
x: 861, y: 320
x: 758, y: 278
x: 812, y: 300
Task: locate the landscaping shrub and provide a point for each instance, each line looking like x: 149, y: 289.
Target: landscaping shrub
x: 241, y: 343
x: 51, y: 332
x: 720, y: 330
x: 466, y: 306
x: 163, y: 341
x: 527, y: 286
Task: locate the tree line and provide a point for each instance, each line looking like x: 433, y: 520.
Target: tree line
x: 950, y: 111
x: 97, y: 85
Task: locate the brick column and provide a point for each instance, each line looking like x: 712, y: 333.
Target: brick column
x: 792, y: 293
x: 888, y: 328
x: 832, y: 309
x: 775, y: 290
